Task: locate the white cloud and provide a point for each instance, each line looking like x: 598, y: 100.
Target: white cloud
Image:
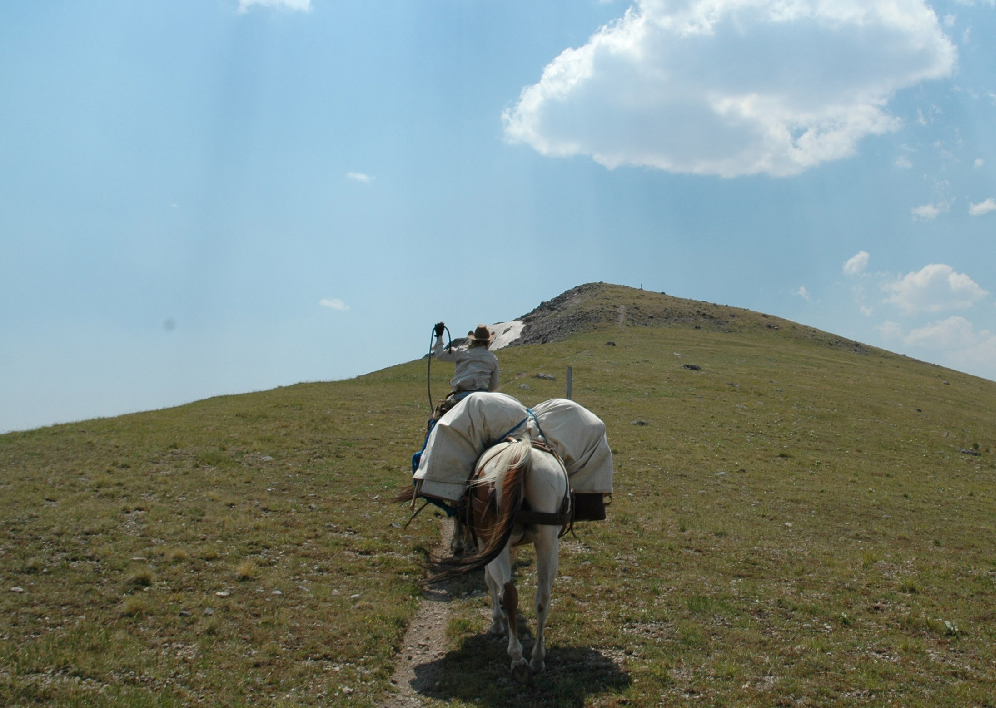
x: 359, y: 177
x: 982, y: 207
x: 867, y: 310
x: 980, y: 357
x: 953, y: 333
x: 301, y: 5
x: 857, y: 263
x: 926, y: 212
x: 903, y: 162
x: 803, y: 293
x: 335, y: 304
x: 890, y: 330
x: 933, y: 288
x: 979, y: 162
x: 960, y: 344
x: 732, y: 87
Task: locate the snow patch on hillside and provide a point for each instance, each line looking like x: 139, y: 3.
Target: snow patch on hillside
x: 505, y: 333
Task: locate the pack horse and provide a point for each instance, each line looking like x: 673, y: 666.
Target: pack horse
x: 532, y: 473
x: 519, y: 494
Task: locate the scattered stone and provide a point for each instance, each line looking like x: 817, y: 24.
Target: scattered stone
x: 222, y: 593
x: 277, y: 592
x: 968, y: 451
x: 209, y: 611
x: 17, y: 589
x: 788, y: 524
x: 524, y: 387
x: 266, y: 458
x: 691, y: 367
x: 139, y: 559
x: 610, y: 344
x: 355, y: 597
x: 946, y: 383
x: 185, y: 613
x: 638, y: 422
x: 546, y: 377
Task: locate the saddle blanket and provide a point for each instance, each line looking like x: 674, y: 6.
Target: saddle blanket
x: 483, y: 419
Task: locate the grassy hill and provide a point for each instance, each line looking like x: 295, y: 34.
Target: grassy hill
x: 800, y: 520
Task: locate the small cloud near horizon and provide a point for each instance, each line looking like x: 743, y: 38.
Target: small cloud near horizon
x: 803, y: 293
x: 982, y: 207
x: 298, y: 5
x: 359, y: 177
x: 933, y: 288
x: 334, y: 304
x: 857, y: 263
x: 979, y: 162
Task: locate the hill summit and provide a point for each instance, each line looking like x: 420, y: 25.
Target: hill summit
x: 593, y: 305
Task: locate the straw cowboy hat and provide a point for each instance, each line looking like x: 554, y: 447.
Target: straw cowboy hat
x: 481, y: 334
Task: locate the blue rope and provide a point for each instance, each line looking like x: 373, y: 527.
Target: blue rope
x: 530, y: 414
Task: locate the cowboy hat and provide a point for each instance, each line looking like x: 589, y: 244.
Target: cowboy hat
x: 481, y: 334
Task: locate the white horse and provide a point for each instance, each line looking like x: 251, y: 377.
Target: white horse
x: 519, y: 494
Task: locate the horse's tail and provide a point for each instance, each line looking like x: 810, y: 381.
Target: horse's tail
x: 508, y: 473
x: 404, y: 494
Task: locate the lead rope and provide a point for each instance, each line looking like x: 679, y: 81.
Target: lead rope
x: 428, y: 372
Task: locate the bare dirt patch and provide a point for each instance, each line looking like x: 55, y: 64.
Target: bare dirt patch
x: 418, y: 669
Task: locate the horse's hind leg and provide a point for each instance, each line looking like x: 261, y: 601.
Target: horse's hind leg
x: 501, y: 574
x: 461, y: 541
x: 497, y: 627
x: 547, y: 562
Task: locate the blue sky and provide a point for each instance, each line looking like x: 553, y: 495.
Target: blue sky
x: 221, y: 196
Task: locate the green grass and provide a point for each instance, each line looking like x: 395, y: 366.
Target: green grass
x: 794, y: 523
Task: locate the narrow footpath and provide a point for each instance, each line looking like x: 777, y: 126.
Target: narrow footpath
x: 416, y: 670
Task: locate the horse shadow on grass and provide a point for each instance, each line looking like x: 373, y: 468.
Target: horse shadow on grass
x: 479, y: 673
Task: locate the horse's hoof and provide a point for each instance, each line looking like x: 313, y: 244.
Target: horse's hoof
x: 496, y: 630
x: 521, y: 672
x: 537, y: 665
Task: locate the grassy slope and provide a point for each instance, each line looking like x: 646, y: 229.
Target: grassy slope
x: 794, y: 522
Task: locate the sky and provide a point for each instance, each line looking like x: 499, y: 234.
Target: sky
x: 220, y: 196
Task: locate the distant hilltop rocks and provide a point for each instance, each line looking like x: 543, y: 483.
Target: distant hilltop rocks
x: 594, y: 305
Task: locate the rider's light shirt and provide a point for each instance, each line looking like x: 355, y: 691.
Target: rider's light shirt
x: 476, y: 367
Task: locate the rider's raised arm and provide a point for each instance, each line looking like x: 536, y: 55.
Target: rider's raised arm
x: 442, y: 353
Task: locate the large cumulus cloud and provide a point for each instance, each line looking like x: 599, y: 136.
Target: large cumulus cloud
x: 732, y: 87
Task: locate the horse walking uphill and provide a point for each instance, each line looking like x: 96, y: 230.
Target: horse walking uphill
x: 519, y: 495
x: 512, y: 492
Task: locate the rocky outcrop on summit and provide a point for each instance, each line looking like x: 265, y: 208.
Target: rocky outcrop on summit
x: 596, y: 305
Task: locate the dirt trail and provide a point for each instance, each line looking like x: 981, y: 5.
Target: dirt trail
x: 424, y: 643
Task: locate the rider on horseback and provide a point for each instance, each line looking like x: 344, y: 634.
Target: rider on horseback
x: 476, y: 367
